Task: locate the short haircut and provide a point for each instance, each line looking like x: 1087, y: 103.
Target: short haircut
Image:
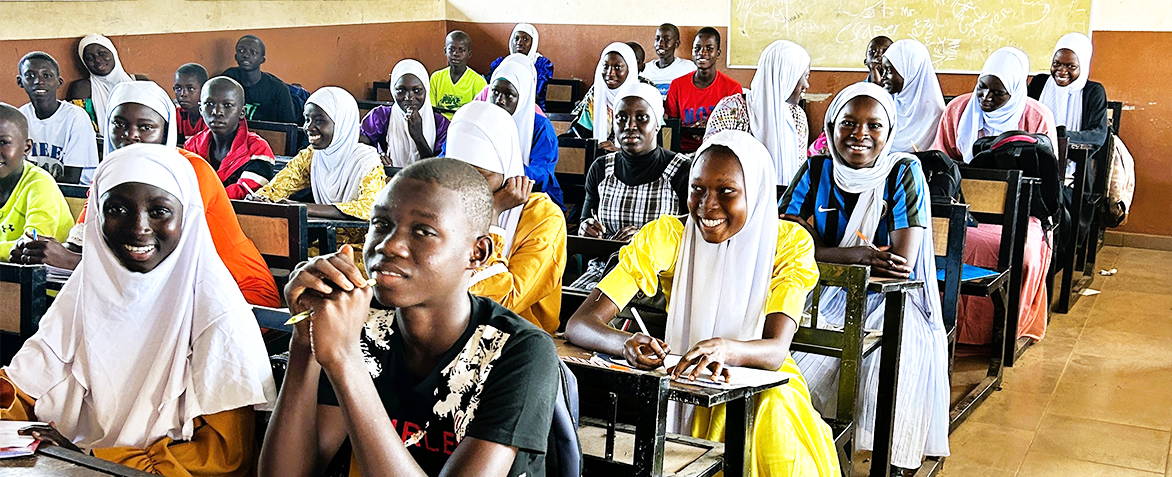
x: 458, y: 35
x: 880, y: 39
x: 13, y: 115
x: 40, y: 55
x: 640, y: 55
x: 456, y: 175
x: 673, y: 29
x: 194, y: 70
x: 223, y: 82
x: 709, y: 31
x: 258, y: 41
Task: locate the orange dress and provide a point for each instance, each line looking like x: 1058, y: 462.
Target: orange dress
x: 239, y: 254
x: 222, y: 444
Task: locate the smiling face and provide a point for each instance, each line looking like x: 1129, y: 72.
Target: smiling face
x: 666, y: 42
x: 991, y: 93
x: 505, y: 95
x: 410, y: 93
x: 135, y: 123
x: 141, y: 224
x: 14, y: 146
x: 635, y: 126
x: 718, y: 202
x: 860, y: 132
x: 249, y: 54
x: 319, y: 127
x: 705, y: 51
x: 521, y: 43
x: 420, y: 242
x: 222, y: 107
x: 188, y: 91
x: 892, y: 80
x: 614, y: 70
x: 97, y: 59
x: 40, y: 79
x: 1064, y: 67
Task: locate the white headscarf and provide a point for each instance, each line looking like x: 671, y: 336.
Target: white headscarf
x: 1066, y: 101
x: 148, y: 94
x: 781, y: 67
x: 482, y: 135
x: 518, y: 71
x: 532, y: 32
x: 720, y: 288
x: 125, y: 358
x: 400, y: 148
x: 336, y: 172
x: 1010, y: 66
x: 606, y: 99
x: 920, y: 104
x: 101, y: 86
x: 647, y: 93
x: 870, y: 183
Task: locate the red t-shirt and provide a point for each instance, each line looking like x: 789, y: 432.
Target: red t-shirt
x: 692, y: 105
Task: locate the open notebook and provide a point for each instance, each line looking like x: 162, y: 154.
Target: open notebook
x: 740, y: 377
x: 13, y: 444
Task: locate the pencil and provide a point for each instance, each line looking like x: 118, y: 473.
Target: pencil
x: 866, y: 241
x: 639, y: 321
x: 298, y: 318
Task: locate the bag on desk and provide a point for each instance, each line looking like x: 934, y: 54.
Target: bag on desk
x: 1033, y: 155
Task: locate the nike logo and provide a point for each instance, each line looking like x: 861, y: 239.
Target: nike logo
x: 824, y: 210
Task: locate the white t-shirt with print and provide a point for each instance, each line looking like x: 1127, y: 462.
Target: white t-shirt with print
x: 662, y: 77
x: 64, y: 139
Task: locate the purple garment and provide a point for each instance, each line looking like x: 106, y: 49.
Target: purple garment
x: 374, y: 127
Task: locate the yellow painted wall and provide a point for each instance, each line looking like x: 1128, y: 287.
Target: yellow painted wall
x: 27, y: 20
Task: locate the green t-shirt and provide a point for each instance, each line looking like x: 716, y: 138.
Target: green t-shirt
x: 36, y: 203
x: 445, y: 95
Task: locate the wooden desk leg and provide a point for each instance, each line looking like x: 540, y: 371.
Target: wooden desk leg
x: 737, y: 437
x: 651, y: 429
x: 888, y: 381
x: 331, y: 240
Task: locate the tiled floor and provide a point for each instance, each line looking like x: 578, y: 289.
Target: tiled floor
x: 1094, y: 398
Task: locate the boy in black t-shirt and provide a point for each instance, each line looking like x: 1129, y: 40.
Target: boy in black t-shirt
x: 440, y: 381
x: 267, y: 97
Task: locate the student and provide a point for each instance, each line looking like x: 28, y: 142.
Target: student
x: 336, y: 176
x: 667, y: 68
x: 167, y: 379
x: 431, y: 380
x: 524, y: 41
x: 141, y: 112
x: 410, y: 130
x: 512, y: 90
x: 189, y: 80
x: 840, y: 196
x: 268, y: 98
x: 243, y: 160
x: 62, y: 135
x: 692, y: 97
x: 738, y: 279
x: 640, y: 57
x: 1077, y: 103
x: 874, y: 59
x: 909, y: 77
x: 595, y: 111
x: 524, y: 272
x: 93, y: 94
x: 456, y: 85
x: 635, y: 185
x: 29, y: 197
x: 998, y: 104
x: 771, y: 110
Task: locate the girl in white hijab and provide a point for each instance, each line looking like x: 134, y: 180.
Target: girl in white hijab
x: 919, y: 102
x: 101, y: 85
x: 596, y: 109
x: 922, y: 399
x: 128, y: 358
x: 401, y: 147
x: 524, y: 273
x: 148, y: 94
x: 530, y: 30
x: 998, y: 104
x: 1077, y: 103
x: 1066, y: 102
x: 518, y: 70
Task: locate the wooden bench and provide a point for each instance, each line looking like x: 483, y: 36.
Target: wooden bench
x: 669, y: 136
x: 279, y: 231
x: 575, y: 156
x: 381, y: 91
x: 283, y: 138
x: 366, y: 106
x: 562, y: 94
x: 75, y: 197
x: 24, y: 291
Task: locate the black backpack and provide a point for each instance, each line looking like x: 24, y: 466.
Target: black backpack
x: 1033, y: 155
x: 943, y: 176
